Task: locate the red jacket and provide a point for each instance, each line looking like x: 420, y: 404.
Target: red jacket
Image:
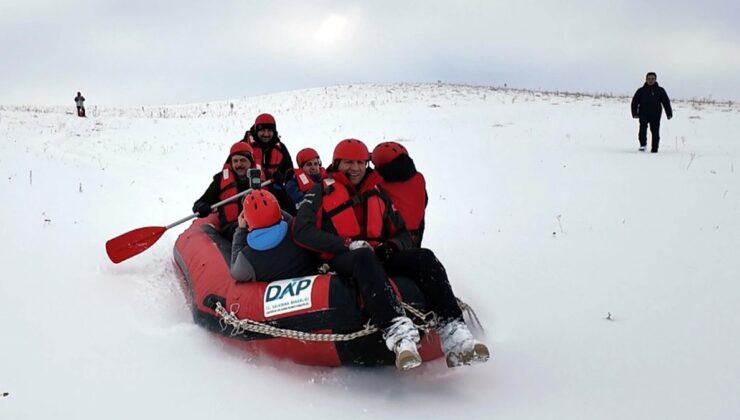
x: 410, y: 198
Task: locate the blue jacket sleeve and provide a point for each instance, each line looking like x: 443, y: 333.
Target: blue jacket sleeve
x: 293, y: 191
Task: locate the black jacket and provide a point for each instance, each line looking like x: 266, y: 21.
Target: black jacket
x: 212, y: 195
x: 646, y: 104
x: 285, y: 261
x: 285, y: 164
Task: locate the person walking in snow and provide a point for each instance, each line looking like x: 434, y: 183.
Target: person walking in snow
x: 271, y: 156
x: 232, y: 180
x: 302, y: 178
x: 80, y: 102
x: 647, y: 106
x: 358, y: 231
x: 263, y: 247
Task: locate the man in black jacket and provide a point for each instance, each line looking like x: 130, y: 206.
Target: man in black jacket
x: 80, y: 102
x: 272, y: 157
x: 232, y: 180
x: 646, y: 105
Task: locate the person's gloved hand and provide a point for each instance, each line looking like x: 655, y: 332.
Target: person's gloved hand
x: 277, y: 181
x: 203, y: 209
x: 385, y: 250
x: 358, y: 244
x: 670, y: 116
x: 278, y: 178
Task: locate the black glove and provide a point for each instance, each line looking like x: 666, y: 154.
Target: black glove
x: 278, y: 178
x: 203, y: 209
x: 277, y: 181
x: 385, y: 250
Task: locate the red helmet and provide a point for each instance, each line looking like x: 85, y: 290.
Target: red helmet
x: 304, y: 155
x: 264, y: 121
x: 386, y: 152
x: 261, y: 209
x: 241, y: 148
x: 351, y: 149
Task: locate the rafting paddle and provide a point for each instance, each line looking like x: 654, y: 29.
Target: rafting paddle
x: 134, y: 242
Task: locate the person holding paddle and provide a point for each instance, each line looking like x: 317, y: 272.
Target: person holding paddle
x: 232, y: 180
x: 236, y: 168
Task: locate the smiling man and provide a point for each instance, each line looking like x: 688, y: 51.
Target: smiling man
x: 272, y: 157
x: 230, y: 181
x: 355, y: 228
x: 341, y: 218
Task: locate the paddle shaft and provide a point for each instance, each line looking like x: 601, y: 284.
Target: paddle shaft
x: 217, y: 205
x: 134, y: 242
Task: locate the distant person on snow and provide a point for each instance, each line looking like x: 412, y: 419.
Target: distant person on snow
x: 263, y: 247
x: 358, y: 231
x: 647, y: 105
x: 230, y: 181
x: 80, y: 102
x: 308, y: 172
x: 271, y: 156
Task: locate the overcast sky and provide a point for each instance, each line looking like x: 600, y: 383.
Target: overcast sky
x: 132, y: 52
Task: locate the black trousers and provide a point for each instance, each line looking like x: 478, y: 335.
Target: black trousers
x: 654, y: 133
x: 429, y: 274
x: 372, y: 282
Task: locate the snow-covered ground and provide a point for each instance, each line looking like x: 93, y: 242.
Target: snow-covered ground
x: 547, y: 218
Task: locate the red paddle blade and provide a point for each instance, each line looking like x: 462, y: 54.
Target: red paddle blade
x: 132, y: 243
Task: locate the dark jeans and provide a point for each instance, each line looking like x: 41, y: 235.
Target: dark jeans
x: 654, y: 133
x: 422, y: 266
x: 364, y: 267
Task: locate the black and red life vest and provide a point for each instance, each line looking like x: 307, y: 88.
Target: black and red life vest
x: 410, y: 199
x: 229, y: 212
x: 359, y: 215
x: 269, y: 158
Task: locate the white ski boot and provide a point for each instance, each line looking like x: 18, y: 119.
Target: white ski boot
x: 460, y: 347
x: 401, y: 338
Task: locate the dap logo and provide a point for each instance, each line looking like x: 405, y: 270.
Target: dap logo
x: 293, y: 288
x: 290, y: 295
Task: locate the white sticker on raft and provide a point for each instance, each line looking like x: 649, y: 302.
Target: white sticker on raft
x: 290, y: 295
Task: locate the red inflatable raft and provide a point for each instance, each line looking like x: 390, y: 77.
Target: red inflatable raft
x: 323, y: 303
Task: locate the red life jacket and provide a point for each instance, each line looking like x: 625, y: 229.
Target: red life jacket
x: 304, y: 180
x: 359, y: 215
x: 410, y: 199
x: 228, y: 212
x: 276, y: 157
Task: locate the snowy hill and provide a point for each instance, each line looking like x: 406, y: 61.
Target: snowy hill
x: 606, y: 278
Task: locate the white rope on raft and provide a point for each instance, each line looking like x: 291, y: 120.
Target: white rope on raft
x: 426, y: 322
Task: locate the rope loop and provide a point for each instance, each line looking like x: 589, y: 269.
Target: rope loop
x: 425, y: 321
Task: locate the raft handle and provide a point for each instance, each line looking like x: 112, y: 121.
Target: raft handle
x: 211, y: 301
